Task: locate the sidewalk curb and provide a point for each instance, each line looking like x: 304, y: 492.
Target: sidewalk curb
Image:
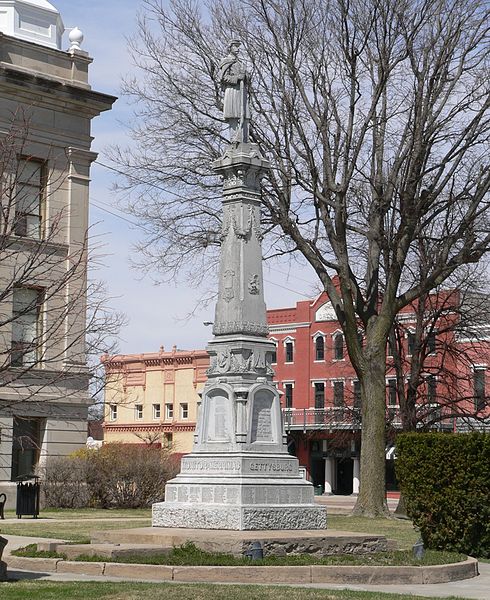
x: 371, y: 575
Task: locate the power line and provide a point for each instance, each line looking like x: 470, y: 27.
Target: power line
x: 139, y: 180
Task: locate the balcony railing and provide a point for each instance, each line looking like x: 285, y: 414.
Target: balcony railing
x: 333, y: 417
x: 347, y: 417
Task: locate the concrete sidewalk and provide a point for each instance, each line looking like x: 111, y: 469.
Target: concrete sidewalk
x: 477, y: 588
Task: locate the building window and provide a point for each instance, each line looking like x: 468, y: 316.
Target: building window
x: 26, y: 326
x: 288, y: 395
x: 289, y: 349
x: 319, y: 395
x: 26, y: 444
x: 156, y: 411
x: 360, y: 338
x: 320, y: 348
x: 274, y: 356
x: 338, y: 393
x: 431, y: 389
x: 113, y: 412
x: 338, y: 347
x: 29, y: 199
x: 411, y: 343
x: 392, y: 394
x: 168, y: 439
x: 357, y: 394
x: 169, y: 411
x: 479, y: 387
x: 184, y: 411
x: 431, y: 343
x: 138, y: 411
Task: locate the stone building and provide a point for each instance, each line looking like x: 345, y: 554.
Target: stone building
x: 46, y: 109
x: 153, y: 398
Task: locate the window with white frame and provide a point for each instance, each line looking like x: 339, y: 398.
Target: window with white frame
x: 29, y: 198
x: 431, y: 342
x: 338, y: 346
x: 356, y: 384
x: 274, y: 353
x: 169, y: 411
x: 184, y: 411
x: 138, y: 411
x: 319, y: 394
x: 288, y: 395
x: 26, y: 326
x: 338, y: 393
x: 431, y: 389
x: 360, y: 337
x: 479, y: 387
x: 411, y: 343
x: 289, y: 351
x: 392, y: 393
x: 319, y: 347
x: 113, y: 412
x: 156, y: 411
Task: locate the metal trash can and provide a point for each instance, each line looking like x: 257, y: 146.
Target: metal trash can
x: 318, y: 490
x: 28, y: 494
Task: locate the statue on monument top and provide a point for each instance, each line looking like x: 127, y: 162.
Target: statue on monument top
x: 233, y: 77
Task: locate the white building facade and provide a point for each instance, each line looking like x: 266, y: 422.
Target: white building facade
x: 46, y: 108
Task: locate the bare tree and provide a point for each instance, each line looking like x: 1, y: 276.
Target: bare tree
x: 374, y: 114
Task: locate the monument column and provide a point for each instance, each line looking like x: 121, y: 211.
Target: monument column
x: 239, y: 474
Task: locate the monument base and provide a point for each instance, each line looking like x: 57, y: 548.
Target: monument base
x: 239, y: 518
x: 275, y: 543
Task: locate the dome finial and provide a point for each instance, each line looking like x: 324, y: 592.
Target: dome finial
x: 76, y: 38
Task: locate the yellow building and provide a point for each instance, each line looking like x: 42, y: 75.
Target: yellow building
x: 153, y: 398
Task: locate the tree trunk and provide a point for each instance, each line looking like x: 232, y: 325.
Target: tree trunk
x: 371, y: 501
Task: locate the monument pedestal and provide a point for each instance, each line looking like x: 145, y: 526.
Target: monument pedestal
x: 239, y: 492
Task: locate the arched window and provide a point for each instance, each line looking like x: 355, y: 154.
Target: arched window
x: 338, y: 346
x: 288, y: 350
x: 320, y: 348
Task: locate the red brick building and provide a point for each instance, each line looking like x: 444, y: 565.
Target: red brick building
x: 320, y: 390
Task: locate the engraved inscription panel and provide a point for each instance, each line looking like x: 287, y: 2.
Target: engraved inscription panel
x: 219, y: 418
x: 261, y: 417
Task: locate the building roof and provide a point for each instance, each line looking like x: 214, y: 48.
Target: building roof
x: 36, y: 21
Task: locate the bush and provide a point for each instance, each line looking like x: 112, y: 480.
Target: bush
x: 115, y: 476
x: 445, y: 479
x: 64, y: 483
x: 128, y: 475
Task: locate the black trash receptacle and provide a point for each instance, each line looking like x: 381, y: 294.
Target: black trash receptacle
x: 28, y: 499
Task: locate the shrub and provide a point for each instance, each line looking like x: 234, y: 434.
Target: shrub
x: 445, y: 480
x: 64, y: 483
x: 115, y: 476
x: 128, y: 475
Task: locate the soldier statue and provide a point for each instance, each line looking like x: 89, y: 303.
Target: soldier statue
x: 234, y: 80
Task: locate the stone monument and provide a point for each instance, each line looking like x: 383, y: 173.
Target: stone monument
x: 239, y: 475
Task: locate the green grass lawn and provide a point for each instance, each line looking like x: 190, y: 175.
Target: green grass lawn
x: 88, y: 513
x: 71, y: 531
x: 400, y: 530
x: 40, y: 590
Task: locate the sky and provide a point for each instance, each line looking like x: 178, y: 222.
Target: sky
x: 156, y: 314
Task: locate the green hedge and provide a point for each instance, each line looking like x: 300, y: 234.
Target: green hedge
x: 445, y: 479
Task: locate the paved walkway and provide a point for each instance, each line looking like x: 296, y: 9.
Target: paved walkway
x: 477, y: 588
